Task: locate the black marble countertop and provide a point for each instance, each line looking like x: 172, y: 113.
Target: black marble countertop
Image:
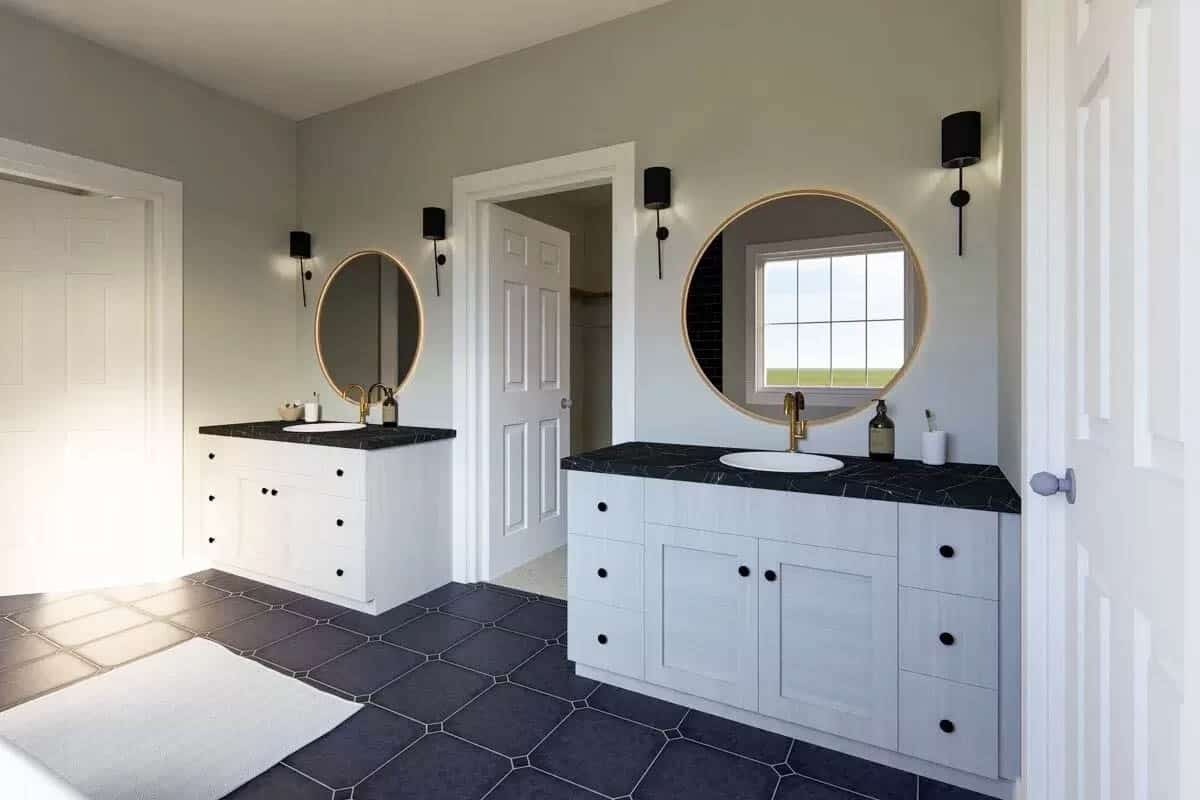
x: 372, y: 437
x: 973, y: 486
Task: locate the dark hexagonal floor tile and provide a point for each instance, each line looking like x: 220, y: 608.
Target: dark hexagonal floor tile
x: 484, y: 605
x: 689, y: 771
x: 262, y: 630
x: 770, y: 748
x: 638, y: 707
x: 856, y: 774
x: 432, y: 691
x: 508, y: 719
x: 543, y: 620
x: 493, y: 651
x: 437, y: 767
x: 310, y: 647
x: 532, y: 784
x: 550, y: 671
x: 433, y: 633
x: 367, y: 668
x: 349, y: 752
x: 599, y: 751
x: 377, y: 624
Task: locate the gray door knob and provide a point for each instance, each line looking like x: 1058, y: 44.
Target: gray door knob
x: 566, y: 403
x: 1047, y: 483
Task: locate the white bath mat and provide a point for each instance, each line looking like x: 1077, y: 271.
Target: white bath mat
x: 190, y: 723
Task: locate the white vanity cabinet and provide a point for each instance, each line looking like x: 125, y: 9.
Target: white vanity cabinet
x: 888, y: 630
x: 367, y: 529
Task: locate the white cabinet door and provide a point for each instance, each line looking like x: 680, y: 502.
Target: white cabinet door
x: 701, y: 614
x: 827, y: 639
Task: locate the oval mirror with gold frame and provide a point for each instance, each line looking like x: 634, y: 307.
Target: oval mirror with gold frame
x: 369, y: 323
x: 808, y: 290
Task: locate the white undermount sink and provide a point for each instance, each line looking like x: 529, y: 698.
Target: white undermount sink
x: 325, y: 427
x: 774, y: 461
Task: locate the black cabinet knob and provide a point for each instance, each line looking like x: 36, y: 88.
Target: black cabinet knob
x: 946, y: 638
x: 602, y: 506
x: 211, y: 498
x: 341, y: 522
x: 947, y: 551
x: 602, y: 639
x: 770, y: 575
x: 264, y: 490
x: 340, y: 573
x: 947, y: 726
x: 744, y: 571
x: 602, y: 572
x: 274, y: 492
x: 340, y: 473
x: 211, y: 456
x: 211, y: 539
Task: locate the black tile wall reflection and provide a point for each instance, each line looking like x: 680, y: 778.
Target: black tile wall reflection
x: 468, y: 694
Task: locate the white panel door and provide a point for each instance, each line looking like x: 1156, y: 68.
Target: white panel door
x: 72, y: 391
x: 702, y: 614
x: 1118, y: 619
x: 530, y: 377
x: 827, y: 640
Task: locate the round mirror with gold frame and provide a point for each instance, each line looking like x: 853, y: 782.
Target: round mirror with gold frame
x: 370, y: 323
x: 812, y: 291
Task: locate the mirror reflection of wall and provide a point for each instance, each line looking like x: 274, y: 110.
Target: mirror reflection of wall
x: 811, y: 292
x: 369, y: 323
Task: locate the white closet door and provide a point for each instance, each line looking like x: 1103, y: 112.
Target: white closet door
x: 530, y: 377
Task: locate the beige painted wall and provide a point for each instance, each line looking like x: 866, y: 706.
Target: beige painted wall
x: 737, y: 98
x: 237, y: 165
x: 1010, y: 385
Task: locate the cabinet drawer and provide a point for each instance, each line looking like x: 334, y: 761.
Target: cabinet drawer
x: 219, y: 516
x: 605, y: 637
x: 949, y: 723
x: 950, y: 550
x: 608, y: 506
x: 330, y: 470
x: 604, y: 571
x: 330, y: 568
x: 950, y: 636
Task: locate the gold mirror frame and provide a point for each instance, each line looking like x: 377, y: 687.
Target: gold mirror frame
x: 923, y: 285
x: 321, y: 303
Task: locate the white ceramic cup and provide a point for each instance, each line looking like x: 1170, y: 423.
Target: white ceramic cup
x: 933, y: 447
x: 312, y: 412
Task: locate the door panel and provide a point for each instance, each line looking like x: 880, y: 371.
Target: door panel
x: 828, y: 650
x: 530, y: 368
x: 701, y: 614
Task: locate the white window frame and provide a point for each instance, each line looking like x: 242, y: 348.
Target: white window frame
x: 757, y: 254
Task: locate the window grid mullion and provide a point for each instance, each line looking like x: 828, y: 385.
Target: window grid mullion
x: 866, y: 314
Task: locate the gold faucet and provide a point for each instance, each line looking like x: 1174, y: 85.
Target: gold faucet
x: 363, y: 402
x: 793, y: 404
x: 383, y: 391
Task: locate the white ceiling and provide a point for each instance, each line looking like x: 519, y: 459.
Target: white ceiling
x: 304, y: 57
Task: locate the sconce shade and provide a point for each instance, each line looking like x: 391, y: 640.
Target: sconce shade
x: 961, y: 139
x: 301, y: 244
x: 433, y: 223
x: 656, y: 188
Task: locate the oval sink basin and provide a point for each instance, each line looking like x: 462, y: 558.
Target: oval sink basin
x: 325, y: 427
x: 774, y: 461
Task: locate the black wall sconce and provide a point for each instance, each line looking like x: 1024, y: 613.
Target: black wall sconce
x: 433, y: 228
x: 656, y: 195
x: 300, y: 247
x: 961, y: 135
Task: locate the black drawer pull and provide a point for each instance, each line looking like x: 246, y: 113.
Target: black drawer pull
x: 602, y: 639
x: 211, y: 498
x: 340, y: 473
x: 602, y: 506
x: 770, y: 575
x: 341, y: 522
x: 946, y: 551
x: 946, y: 638
x: 340, y: 573
x: 602, y: 572
x: 264, y: 490
x: 211, y: 456
x: 947, y: 726
x: 744, y: 571
x: 274, y: 492
x: 211, y: 540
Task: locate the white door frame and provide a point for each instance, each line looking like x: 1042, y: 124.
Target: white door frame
x: 613, y: 165
x: 164, y: 314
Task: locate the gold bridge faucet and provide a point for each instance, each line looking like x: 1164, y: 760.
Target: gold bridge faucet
x: 793, y: 404
x: 363, y: 401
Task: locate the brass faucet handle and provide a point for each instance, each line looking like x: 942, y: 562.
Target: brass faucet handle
x: 789, y: 405
x: 799, y: 400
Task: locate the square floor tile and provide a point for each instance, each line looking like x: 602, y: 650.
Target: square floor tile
x: 35, y: 677
x: 508, y: 719
x: 127, y: 594
x: 689, y: 771
x: 260, y: 631
x: 349, y: 752
x: 433, y: 633
x: 770, y: 748
x: 367, y: 668
x: 374, y: 625
x: 484, y: 605
x: 227, y: 611
x: 532, y: 784
x: 272, y: 595
x: 598, y: 751
x: 442, y: 595
x: 796, y: 787
x: 493, y: 651
x: 280, y: 782
x: 94, y: 626
x: 638, y: 707
x: 44, y: 616
x: 317, y: 609
x: 936, y: 790
x: 432, y: 691
x: 233, y: 583
x: 550, y: 671
x: 437, y: 767
x: 849, y: 772
x: 543, y: 620
x: 133, y: 643
x: 172, y: 602
x: 20, y: 649
x: 9, y: 629
x: 310, y: 647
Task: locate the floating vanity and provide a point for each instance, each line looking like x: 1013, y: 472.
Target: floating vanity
x: 360, y: 518
x: 873, y: 609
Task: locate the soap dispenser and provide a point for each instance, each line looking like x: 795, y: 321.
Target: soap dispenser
x: 388, y: 409
x: 881, y: 442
